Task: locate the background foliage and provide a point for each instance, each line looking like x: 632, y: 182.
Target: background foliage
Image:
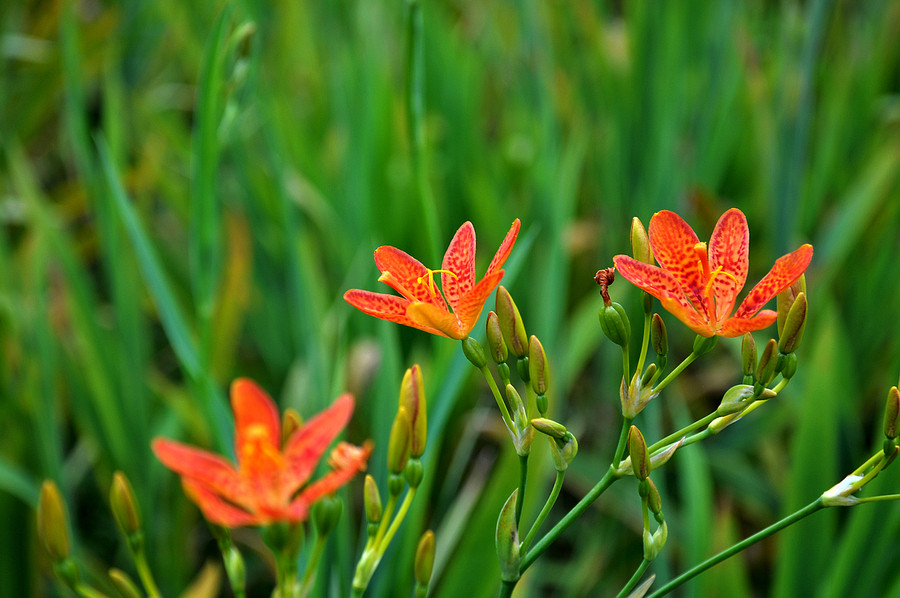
x: 184, y: 198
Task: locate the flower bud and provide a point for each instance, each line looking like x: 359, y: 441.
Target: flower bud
x: 538, y: 368
x: 124, y: 585
x: 748, y: 354
x: 640, y: 456
x: 615, y: 324
x: 424, y: 562
x: 789, y: 367
x: 654, y: 502
x: 291, y: 422
x: 648, y: 375
x: 496, y: 345
x: 372, y: 500
x: 657, y: 460
x: 704, y: 344
x: 234, y: 565
x: 398, y: 444
x: 523, y: 432
x: 765, y: 370
x: 511, y: 324
x: 891, y: 412
x: 325, y: 514
x: 785, y: 301
x: 474, y: 352
x: 640, y: 242
x: 124, y: 505
x: 659, y: 338
x: 414, y: 472
x: 549, y: 427
x: 507, y: 540
x: 542, y: 404
x: 52, y: 522
x: 794, y: 323
x: 412, y: 398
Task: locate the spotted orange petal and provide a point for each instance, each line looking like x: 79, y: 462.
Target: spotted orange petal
x: 216, y: 510
x: 435, y: 320
x: 786, y: 270
x: 733, y: 327
x: 472, y: 304
x: 402, y: 272
x: 505, y: 248
x: 729, y: 250
x: 212, y: 471
x: 460, y: 260
x: 386, y: 307
x: 255, y: 414
x: 672, y: 241
x: 346, y: 460
x: 664, y: 286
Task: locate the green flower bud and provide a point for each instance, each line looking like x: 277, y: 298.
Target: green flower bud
x: 67, y: 571
x: 891, y: 412
x: 615, y: 324
x: 790, y: 366
x: 52, y: 522
x: 748, y: 354
x: 507, y: 540
x: 372, y: 500
x: 563, y: 450
x: 511, y: 324
x: 474, y: 352
x: 396, y: 483
x: 414, y: 472
x: 792, y: 331
x: 659, y: 338
x: 549, y: 427
x: 640, y: 456
x: 654, y: 502
x: 640, y: 242
x: 424, y: 562
x: 496, y: 345
x: 648, y: 374
x: 522, y: 369
x: 765, y: 370
x: 234, y: 564
x: 538, y: 368
x: 542, y: 404
x: 412, y: 398
x: 785, y: 301
x: 704, y: 344
x: 124, y: 585
x: 325, y: 514
x: 124, y: 505
x: 291, y: 422
x: 735, y: 399
x: 398, y: 444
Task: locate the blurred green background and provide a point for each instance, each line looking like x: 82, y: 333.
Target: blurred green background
x: 187, y: 189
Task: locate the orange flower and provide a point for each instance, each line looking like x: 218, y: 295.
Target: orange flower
x: 699, y: 287
x: 267, y: 485
x: 422, y: 306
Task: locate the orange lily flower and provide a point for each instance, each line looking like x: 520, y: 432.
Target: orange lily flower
x: 700, y: 286
x: 422, y: 306
x: 268, y: 483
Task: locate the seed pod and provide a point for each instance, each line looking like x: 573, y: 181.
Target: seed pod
x: 615, y: 324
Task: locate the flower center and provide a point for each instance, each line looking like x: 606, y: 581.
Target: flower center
x: 427, y: 279
x: 708, y: 293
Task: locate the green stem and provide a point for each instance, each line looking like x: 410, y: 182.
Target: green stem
x: 88, y: 592
x: 506, y: 589
x: 523, y: 477
x: 395, y: 524
x: 725, y: 554
x: 642, y: 568
x: 499, y: 398
x: 644, y: 344
x: 143, y: 570
x: 674, y: 373
x: 675, y: 436
x: 551, y: 500
x: 882, y: 498
x: 385, y: 520
x: 623, y: 440
x: 626, y: 369
x: 309, y: 576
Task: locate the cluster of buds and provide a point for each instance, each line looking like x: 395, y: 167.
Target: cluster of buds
x: 641, y: 465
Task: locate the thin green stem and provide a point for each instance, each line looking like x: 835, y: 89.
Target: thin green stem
x: 674, y: 373
x: 626, y: 368
x: 88, y: 592
x: 780, y: 386
x: 523, y: 477
x: 395, y: 524
x: 551, y: 500
x: 143, y: 570
x: 309, y: 576
x: 623, y: 440
x: 642, y: 568
x: 682, y: 432
x: 881, y: 498
x: 506, y: 589
x: 644, y: 344
x: 725, y: 554
x: 386, y: 519
x: 501, y: 403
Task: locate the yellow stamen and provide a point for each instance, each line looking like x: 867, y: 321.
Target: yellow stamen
x: 427, y: 279
x: 700, y: 250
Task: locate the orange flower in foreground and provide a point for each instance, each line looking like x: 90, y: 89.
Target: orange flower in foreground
x: 422, y: 306
x: 700, y: 286
x: 267, y: 485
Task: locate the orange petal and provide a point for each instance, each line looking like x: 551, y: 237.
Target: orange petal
x: 664, y: 286
x: 729, y: 250
x: 402, y: 272
x: 471, y: 305
x: 386, y: 307
x: 435, y: 320
x: 208, y: 469
x: 256, y: 417
x: 459, y: 259
x: 505, y: 248
x: 216, y: 510
x: 673, y: 241
x: 738, y: 326
x: 347, y: 460
x: 304, y: 449
x: 786, y: 270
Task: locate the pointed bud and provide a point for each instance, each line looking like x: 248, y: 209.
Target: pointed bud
x: 234, y: 565
x: 704, y: 344
x: 789, y: 367
x: 412, y: 398
x: 657, y: 460
x: 474, y: 352
x: 640, y: 242
x: 424, y: 562
x: 549, y: 427
x: 507, y: 540
x: 124, y: 585
x: 765, y: 370
x: 891, y: 412
x: 52, y: 522
x: 795, y: 322
x: 511, y: 324
x: 648, y: 375
x: 654, y: 502
x: 640, y: 456
x: 325, y: 514
x: 372, y: 500
x: 291, y: 422
x: 538, y: 368
x: 785, y: 301
x: 615, y: 324
x: 124, y: 505
x: 748, y: 354
x: 659, y: 338
x: 398, y: 445
x: 496, y: 345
